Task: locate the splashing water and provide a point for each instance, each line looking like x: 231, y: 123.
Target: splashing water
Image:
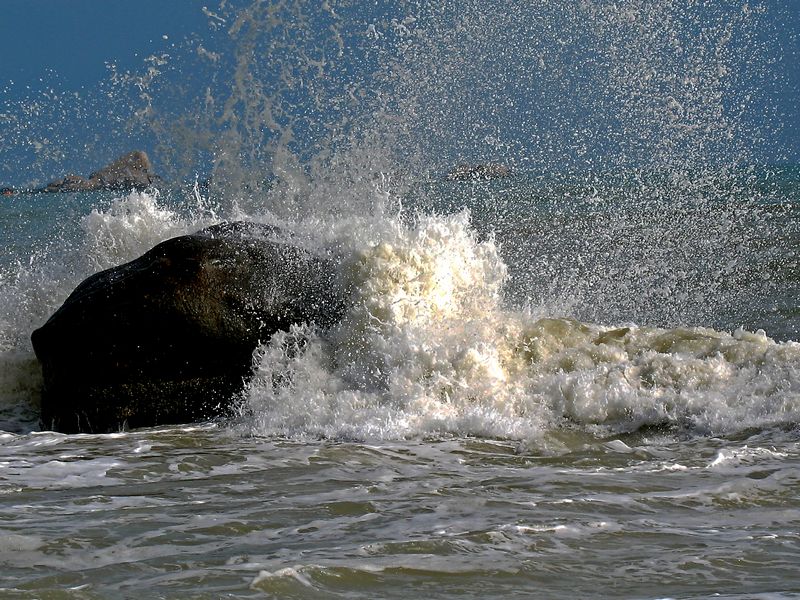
x: 633, y: 131
x: 644, y: 118
x: 428, y: 348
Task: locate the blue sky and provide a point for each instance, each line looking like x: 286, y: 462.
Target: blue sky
x: 76, y: 38
x: 70, y: 47
x: 68, y: 44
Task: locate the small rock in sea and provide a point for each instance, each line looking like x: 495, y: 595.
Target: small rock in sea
x: 70, y: 183
x: 132, y: 171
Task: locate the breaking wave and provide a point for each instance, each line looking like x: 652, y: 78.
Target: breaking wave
x: 429, y: 347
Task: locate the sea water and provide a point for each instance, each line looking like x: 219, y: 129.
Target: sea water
x: 437, y: 441
x: 570, y: 382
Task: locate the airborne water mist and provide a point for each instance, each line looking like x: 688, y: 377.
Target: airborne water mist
x: 572, y: 294
x: 636, y: 128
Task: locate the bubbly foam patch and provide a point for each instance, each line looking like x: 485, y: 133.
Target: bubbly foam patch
x: 428, y: 347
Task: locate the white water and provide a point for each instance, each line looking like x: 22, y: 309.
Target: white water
x: 429, y: 346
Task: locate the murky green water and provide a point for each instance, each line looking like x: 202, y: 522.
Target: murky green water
x: 209, y: 513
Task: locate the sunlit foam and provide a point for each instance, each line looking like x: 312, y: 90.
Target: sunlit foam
x: 324, y: 122
x: 429, y: 348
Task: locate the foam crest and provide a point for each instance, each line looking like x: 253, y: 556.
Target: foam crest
x: 418, y: 341
x: 429, y: 347
x: 697, y: 378
x: 131, y: 226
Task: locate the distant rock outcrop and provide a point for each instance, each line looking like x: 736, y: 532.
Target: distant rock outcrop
x: 71, y: 183
x: 133, y: 171
x: 169, y: 337
x: 478, y: 172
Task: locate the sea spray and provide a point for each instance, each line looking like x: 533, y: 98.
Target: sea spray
x: 648, y: 111
x: 430, y: 348
x: 130, y: 227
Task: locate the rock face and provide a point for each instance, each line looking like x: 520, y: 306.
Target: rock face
x: 478, y: 172
x: 168, y: 338
x: 71, y: 183
x: 132, y: 171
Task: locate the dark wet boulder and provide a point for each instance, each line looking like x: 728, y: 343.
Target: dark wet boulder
x: 132, y: 171
x: 169, y: 337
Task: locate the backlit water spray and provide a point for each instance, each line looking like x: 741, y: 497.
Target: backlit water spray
x: 567, y: 291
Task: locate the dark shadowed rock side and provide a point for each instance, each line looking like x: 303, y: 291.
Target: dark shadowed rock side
x: 168, y: 338
x: 133, y: 171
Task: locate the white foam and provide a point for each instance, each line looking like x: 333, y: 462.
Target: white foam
x: 730, y: 457
x: 131, y: 226
x: 294, y: 573
x: 11, y: 543
x: 85, y: 472
x: 428, y: 348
